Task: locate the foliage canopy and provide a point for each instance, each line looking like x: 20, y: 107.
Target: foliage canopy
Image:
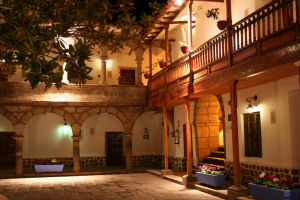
x: 33, y: 34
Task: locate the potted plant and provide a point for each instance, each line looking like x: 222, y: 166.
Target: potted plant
x: 267, y: 186
x: 146, y: 75
x: 184, y: 47
x: 52, y: 165
x: 213, y: 176
x: 162, y: 63
x: 214, y: 13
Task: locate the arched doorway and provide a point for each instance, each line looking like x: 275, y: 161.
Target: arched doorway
x: 101, y: 142
x: 7, y: 146
x: 46, y: 137
x: 209, y: 125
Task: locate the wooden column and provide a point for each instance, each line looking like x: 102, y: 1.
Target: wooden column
x: 128, y: 149
x: 188, y: 138
x: 298, y: 18
x: 235, y: 138
x: 76, y: 153
x: 190, y: 24
x: 19, y: 130
x: 167, y: 45
x: 229, y: 32
x: 165, y: 136
x: 150, y: 61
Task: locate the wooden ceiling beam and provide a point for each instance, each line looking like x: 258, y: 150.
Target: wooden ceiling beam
x: 181, y: 22
x: 211, y: 0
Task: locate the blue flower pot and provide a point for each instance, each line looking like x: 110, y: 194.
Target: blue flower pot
x: 49, y: 168
x: 210, y: 179
x: 267, y: 193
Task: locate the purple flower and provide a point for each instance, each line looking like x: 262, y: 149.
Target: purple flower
x: 199, y: 167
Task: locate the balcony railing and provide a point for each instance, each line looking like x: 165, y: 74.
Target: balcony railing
x: 228, y: 48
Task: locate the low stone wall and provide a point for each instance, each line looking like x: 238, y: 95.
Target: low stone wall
x: 250, y: 172
x: 177, y: 163
x: 28, y: 163
x: 147, y: 161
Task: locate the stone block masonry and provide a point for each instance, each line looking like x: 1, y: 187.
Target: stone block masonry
x: 250, y: 172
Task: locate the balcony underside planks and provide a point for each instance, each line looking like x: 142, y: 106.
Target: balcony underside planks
x: 271, y: 59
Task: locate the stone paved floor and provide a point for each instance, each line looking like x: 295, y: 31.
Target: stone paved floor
x: 139, y: 186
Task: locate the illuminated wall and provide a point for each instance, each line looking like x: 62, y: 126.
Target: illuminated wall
x: 46, y: 137
x: 5, y: 125
x: 277, y: 140
x: 92, y: 142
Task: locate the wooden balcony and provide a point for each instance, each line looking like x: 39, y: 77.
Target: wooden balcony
x: 261, y: 47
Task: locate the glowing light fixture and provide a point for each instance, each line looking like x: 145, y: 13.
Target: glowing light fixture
x: 178, y: 2
x: 65, y: 126
x: 251, y: 108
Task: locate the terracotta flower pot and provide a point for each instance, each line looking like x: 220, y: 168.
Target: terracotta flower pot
x: 184, y: 49
x: 146, y: 75
x: 222, y: 24
x: 162, y: 64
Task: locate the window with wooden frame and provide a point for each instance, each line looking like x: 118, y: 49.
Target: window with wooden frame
x: 252, y: 134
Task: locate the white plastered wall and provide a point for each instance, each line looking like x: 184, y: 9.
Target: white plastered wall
x: 277, y: 143
x: 45, y: 137
x: 92, y: 141
x: 177, y: 150
x: 5, y: 125
x: 153, y: 122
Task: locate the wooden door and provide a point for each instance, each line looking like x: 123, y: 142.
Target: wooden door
x: 7, y: 150
x: 127, y: 77
x: 114, y: 148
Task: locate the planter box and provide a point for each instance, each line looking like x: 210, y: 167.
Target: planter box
x: 209, y: 179
x: 266, y: 193
x: 49, y: 168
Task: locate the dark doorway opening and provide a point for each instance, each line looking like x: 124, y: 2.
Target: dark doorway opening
x: 114, y: 148
x: 127, y: 77
x: 7, y: 150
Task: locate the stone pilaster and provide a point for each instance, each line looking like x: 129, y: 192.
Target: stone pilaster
x: 19, y: 130
x: 19, y: 155
x: 76, y: 152
x: 139, y: 59
x: 103, y: 57
x: 128, y: 151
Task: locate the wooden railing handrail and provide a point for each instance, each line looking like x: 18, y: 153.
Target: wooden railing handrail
x: 269, y: 20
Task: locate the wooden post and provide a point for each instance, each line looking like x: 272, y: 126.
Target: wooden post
x: 298, y: 18
x: 150, y: 61
x: 188, y: 138
x: 167, y: 45
x: 235, y: 138
x: 165, y: 135
x: 190, y: 25
x: 229, y: 32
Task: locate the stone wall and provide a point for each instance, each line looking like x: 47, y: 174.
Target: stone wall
x: 250, y: 172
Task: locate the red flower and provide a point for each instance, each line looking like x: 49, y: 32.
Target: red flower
x: 270, y: 177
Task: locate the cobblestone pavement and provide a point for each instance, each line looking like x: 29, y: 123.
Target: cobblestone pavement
x: 140, y: 186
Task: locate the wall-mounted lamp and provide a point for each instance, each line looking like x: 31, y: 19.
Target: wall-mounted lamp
x: 177, y: 136
x: 65, y: 126
x: 250, y: 108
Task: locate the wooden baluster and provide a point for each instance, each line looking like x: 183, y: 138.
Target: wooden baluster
x: 226, y: 42
x: 258, y: 27
x: 273, y: 18
x: 263, y: 24
x: 268, y: 22
x: 291, y: 12
x: 219, y: 47
x: 242, y: 35
x: 246, y: 31
x: 250, y: 31
x: 222, y: 49
x: 209, y: 52
x: 284, y: 13
x: 215, y: 50
x: 233, y: 39
x: 279, y: 15
x: 254, y: 29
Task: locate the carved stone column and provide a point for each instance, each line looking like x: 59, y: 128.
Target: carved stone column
x: 76, y: 152
x: 128, y: 150
x: 139, y: 59
x: 19, y: 129
x: 103, y: 57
